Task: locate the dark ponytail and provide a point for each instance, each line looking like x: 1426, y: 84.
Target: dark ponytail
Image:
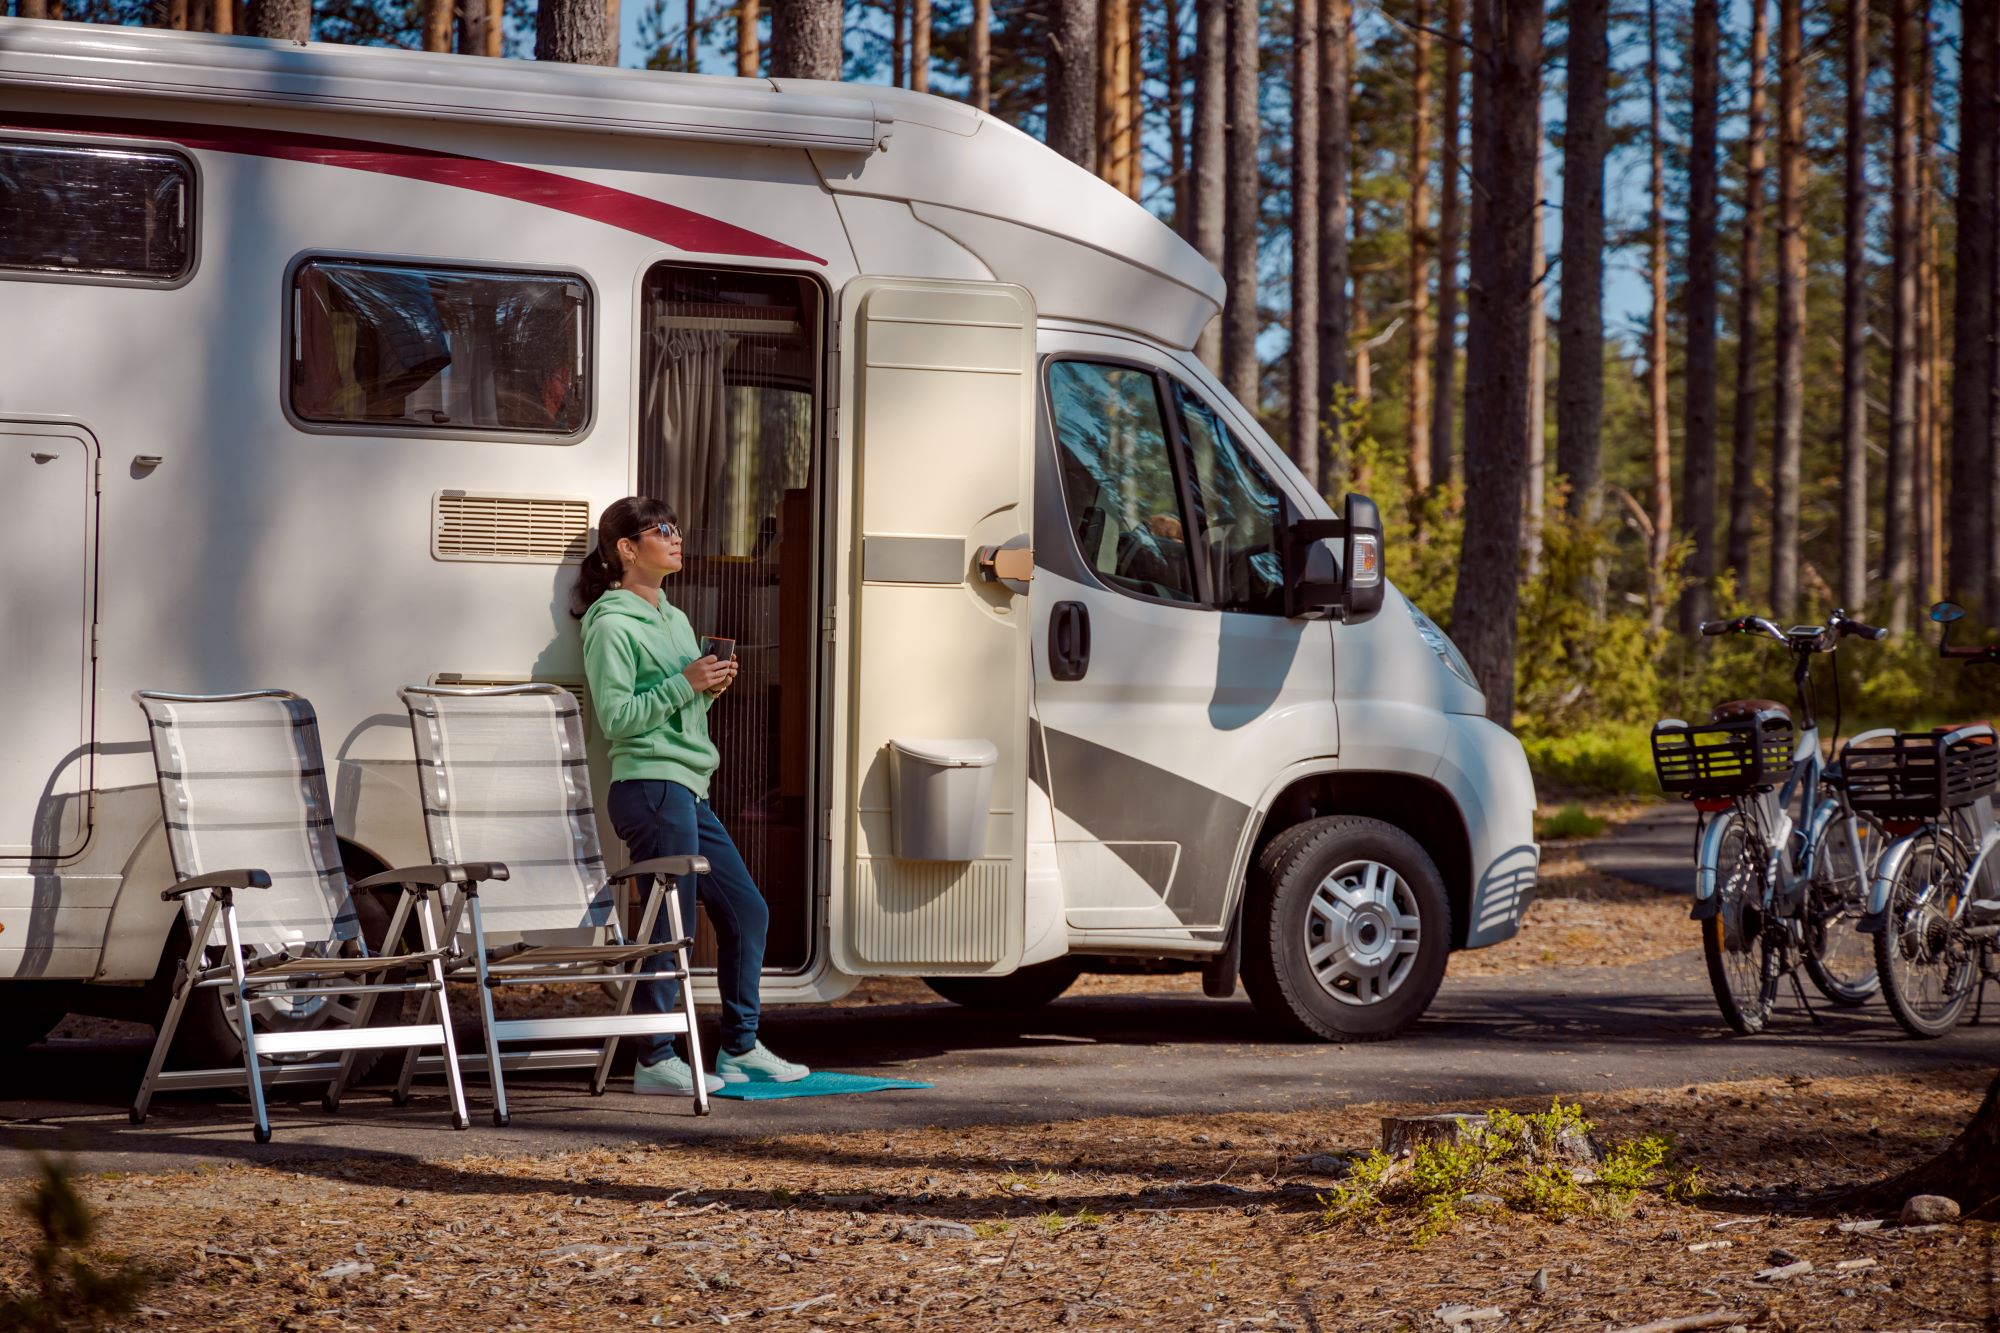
x: 602, y: 569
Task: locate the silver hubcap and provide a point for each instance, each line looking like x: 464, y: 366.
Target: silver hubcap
x: 1361, y: 933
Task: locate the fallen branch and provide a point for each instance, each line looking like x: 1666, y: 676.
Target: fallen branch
x: 762, y: 1310
x: 1689, y: 1323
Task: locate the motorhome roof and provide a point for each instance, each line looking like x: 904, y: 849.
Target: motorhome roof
x: 1025, y: 211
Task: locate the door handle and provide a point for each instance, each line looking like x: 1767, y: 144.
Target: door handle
x: 1069, y: 641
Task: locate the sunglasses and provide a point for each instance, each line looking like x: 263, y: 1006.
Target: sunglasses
x: 668, y: 530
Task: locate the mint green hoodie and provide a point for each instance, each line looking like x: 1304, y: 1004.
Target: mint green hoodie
x: 633, y: 655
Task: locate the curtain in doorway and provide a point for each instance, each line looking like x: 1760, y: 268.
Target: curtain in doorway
x: 688, y: 401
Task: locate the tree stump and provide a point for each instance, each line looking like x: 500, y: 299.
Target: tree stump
x: 1402, y: 1133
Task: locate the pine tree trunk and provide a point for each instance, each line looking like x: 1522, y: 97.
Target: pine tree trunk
x: 1698, y: 460
x: 1901, y: 498
x: 691, y: 51
x: 1972, y: 313
x: 1749, y: 283
x: 982, y: 54
x: 1336, y: 19
x: 1580, y: 314
x: 1417, y: 423
x: 1506, y: 96
x: 1211, y: 55
x: 1534, y: 500
x: 437, y: 23
x: 1788, y: 402
x: 1135, y: 104
x: 479, y: 29
x: 1968, y: 1171
x: 1072, y: 80
x: 1930, y: 498
x: 571, y: 31
x: 899, y: 41
x: 222, y: 19
x: 1240, y: 323
x: 1304, y: 353
x: 177, y: 14
x: 748, y: 57
x: 1113, y: 49
x: 286, y: 20
x: 1661, y: 539
x: 1854, y: 329
x: 1444, y: 379
x: 34, y: 9
x: 1176, y: 72
x: 920, y: 45
x: 805, y: 39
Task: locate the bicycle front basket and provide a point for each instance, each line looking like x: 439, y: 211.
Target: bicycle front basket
x: 1723, y: 758
x: 1918, y: 774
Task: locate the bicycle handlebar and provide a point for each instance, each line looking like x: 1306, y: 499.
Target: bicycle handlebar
x: 1818, y: 639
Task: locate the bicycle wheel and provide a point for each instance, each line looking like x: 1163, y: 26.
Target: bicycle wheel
x: 1838, y: 957
x: 1928, y: 968
x: 1734, y: 942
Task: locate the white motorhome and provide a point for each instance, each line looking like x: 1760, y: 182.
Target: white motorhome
x: 317, y: 363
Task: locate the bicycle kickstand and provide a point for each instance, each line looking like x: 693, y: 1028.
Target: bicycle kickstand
x: 1798, y: 989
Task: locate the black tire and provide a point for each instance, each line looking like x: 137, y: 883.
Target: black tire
x: 1737, y: 941
x: 1401, y: 918
x: 1928, y: 970
x: 1029, y: 987
x: 1838, y: 957
x: 207, y: 1037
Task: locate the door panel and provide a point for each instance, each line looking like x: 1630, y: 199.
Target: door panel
x: 48, y: 487
x: 940, y: 388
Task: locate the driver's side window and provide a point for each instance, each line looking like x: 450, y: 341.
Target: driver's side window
x: 1118, y: 478
x: 1240, y: 511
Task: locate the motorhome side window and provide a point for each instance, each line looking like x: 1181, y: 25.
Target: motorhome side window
x: 1118, y: 478
x: 443, y: 349
x: 95, y: 212
x: 1238, y: 508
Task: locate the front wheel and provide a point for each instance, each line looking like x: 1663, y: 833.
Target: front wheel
x: 1346, y: 930
x: 1928, y: 969
x: 1838, y: 957
x: 1738, y: 941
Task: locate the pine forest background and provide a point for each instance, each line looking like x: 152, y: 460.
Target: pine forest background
x: 1627, y: 315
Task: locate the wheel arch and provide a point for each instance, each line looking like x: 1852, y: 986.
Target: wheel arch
x: 1418, y: 806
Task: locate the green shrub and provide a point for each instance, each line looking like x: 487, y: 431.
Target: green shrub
x: 1611, y: 760
x: 71, y: 1291
x: 1572, y: 821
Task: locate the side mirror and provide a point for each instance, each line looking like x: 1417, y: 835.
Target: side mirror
x: 1944, y: 613
x: 1333, y: 567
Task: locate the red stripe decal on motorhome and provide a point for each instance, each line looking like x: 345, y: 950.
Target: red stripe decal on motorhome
x: 668, y: 223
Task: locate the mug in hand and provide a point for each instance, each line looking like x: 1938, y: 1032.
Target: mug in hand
x: 722, y: 650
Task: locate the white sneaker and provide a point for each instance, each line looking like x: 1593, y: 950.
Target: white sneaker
x: 671, y: 1077
x: 758, y: 1065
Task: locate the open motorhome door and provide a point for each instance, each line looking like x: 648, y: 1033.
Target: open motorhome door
x: 937, y: 442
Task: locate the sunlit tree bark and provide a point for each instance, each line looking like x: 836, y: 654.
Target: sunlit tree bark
x: 1854, y: 325
x: 1444, y: 380
x: 1303, y: 357
x: 1698, y: 455
x: 1788, y: 401
x: 1749, y: 280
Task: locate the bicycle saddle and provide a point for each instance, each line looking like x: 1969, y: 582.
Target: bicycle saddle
x: 1737, y: 710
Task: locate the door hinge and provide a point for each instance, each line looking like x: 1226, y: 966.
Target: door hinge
x: 96, y: 641
x: 830, y: 625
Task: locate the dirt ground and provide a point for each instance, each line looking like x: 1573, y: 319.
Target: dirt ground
x: 1209, y: 1222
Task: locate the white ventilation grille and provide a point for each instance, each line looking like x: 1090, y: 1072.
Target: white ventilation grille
x: 942, y: 916
x: 518, y: 529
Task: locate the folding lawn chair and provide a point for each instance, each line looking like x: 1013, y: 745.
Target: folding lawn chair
x: 505, y: 784
x: 250, y: 831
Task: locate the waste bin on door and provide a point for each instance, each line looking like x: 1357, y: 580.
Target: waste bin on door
x: 940, y: 791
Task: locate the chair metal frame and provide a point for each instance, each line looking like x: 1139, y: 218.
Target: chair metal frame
x: 250, y: 978
x: 616, y: 964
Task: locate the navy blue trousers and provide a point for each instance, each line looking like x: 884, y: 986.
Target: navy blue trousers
x: 659, y: 818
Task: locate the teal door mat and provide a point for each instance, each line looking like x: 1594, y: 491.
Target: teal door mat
x: 819, y: 1083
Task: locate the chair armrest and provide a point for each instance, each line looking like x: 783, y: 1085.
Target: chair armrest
x: 471, y: 874
x: 221, y: 879
x: 675, y: 866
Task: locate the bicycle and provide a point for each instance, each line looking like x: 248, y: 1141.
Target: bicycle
x: 1774, y: 889
x: 1934, y: 908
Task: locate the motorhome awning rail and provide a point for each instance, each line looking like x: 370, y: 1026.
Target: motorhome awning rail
x: 191, y: 67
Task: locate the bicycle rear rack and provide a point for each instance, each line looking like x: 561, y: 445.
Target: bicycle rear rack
x: 1723, y: 758
x: 1919, y: 774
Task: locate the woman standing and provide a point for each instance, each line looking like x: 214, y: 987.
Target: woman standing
x: 652, y: 687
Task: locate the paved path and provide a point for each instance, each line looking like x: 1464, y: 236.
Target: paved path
x: 1568, y: 1031
x: 1656, y: 849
